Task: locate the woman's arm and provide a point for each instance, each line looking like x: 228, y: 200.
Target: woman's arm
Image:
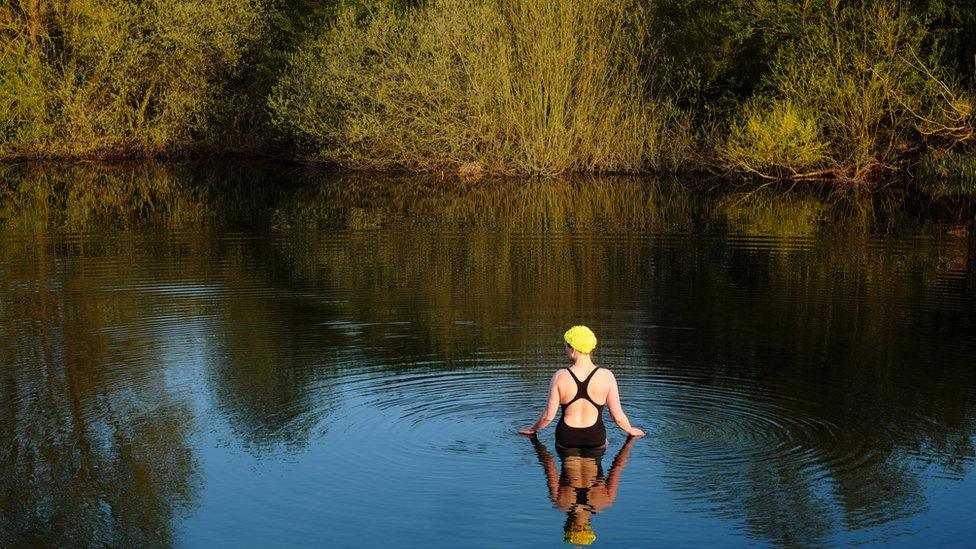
x: 617, y: 468
x: 549, y: 413
x: 617, y: 411
x: 604, y: 494
x: 549, y: 465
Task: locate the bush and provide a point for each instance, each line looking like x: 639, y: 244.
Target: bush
x: 948, y: 174
x: 518, y: 85
x: 776, y: 139
x: 22, y: 98
x: 112, y: 75
x: 858, y: 72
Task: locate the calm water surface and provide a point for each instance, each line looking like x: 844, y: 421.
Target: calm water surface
x: 221, y: 355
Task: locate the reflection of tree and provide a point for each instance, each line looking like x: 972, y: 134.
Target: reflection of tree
x: 265, y: 365
x: 91, y: 456
x: 837, y: 330
x: 601, y: 205
x: 274, y: 360
x: 777, y: 500
x: 81, y: 198
x: 517, y: 261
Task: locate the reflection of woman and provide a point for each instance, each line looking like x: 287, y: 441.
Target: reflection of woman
x: 582, y: 389
x: 582, y: 490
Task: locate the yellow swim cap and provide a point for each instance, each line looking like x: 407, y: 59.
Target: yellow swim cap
x: 579, y: 534
x: 581, y: 338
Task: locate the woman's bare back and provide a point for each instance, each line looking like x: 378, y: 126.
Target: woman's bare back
x: 583, y: 413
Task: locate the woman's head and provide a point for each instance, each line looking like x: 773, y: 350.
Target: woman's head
x: 579, y: 532
x: 581, y: 339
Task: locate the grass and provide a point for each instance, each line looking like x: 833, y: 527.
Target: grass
x: 950, y: 175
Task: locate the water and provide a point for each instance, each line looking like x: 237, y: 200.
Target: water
x: 227, y: 355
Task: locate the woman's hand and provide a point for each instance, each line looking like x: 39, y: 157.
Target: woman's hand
x: 527, y: 432
x: 635, y: 432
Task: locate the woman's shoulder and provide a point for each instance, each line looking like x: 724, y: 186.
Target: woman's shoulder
x: 560, y: 372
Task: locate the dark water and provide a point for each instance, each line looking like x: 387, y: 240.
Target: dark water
x: 222, y: 355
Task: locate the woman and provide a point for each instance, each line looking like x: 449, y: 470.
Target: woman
x: 582, y: 390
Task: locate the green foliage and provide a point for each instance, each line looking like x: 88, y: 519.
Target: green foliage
x: 951, y: 26
x: 867, y: 87
x: 456, y: 81
x: 842, y: 89
x: 948, y: 174
x: 241, y: 119
x: 778, y: 138
x: 112, y: 75
x: 22, y: 98
x: 718, y: 52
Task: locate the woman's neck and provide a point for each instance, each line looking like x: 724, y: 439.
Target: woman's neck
x: 584, y: 362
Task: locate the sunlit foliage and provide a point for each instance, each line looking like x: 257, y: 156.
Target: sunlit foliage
x: 867, y: 98
x: 113, y: 77
x: 465, y: 80
x: 852, y: 91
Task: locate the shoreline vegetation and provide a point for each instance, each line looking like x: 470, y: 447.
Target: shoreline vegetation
x: 192, y: 195
x: 856, y: 93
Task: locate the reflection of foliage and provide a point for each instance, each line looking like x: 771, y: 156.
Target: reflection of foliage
x: 456, y: 277
x: 80, y: 197
x: 832, y: 331
x: 778, y: 502
x: 273, y: 360
x: 89, y: 455
x: 129, y: 196
x: 761, y: 216
x: 263, y: 387
x: 249, y: 196
x: 604, y: 204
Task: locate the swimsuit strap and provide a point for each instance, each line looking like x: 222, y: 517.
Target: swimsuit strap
x: 582, y: 387
x: 589, y: 377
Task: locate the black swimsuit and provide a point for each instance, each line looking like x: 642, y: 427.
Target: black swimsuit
x: 593, y: 436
